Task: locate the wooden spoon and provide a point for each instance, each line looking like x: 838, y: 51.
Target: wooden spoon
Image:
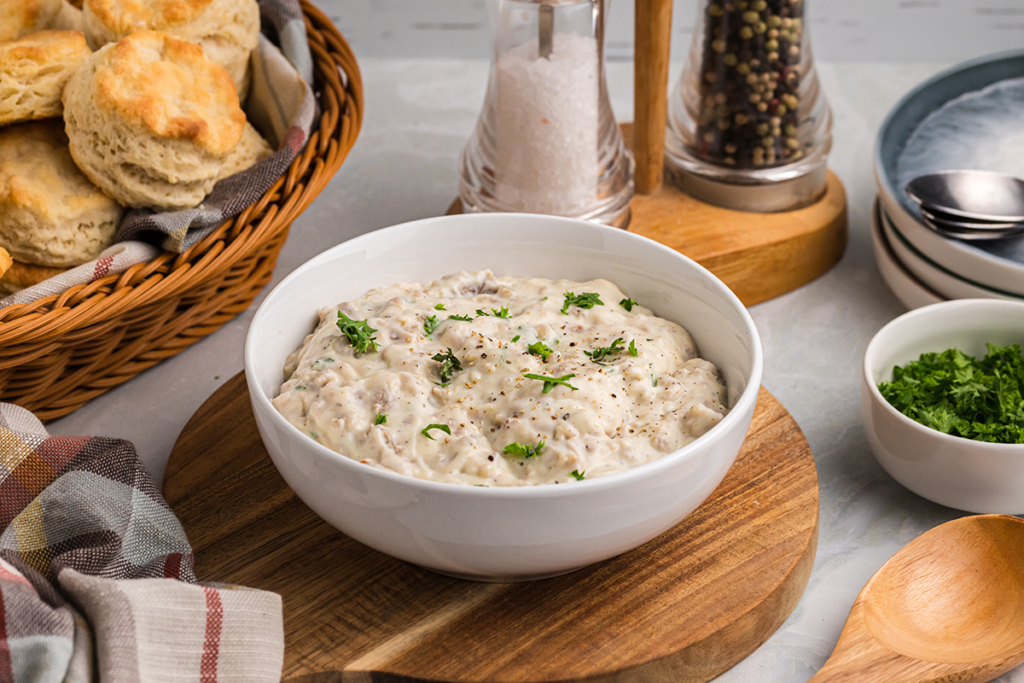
x: 948, y: 607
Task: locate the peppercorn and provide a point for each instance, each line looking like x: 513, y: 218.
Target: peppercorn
x: 750, y: 82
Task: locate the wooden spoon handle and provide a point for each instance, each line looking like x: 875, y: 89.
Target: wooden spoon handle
x: 652, y: 40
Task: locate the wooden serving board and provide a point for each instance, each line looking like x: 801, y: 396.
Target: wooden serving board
x: 759, y: 256
x: 683, y: 608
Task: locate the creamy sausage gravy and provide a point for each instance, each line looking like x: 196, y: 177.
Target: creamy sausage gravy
x: 454, y: 356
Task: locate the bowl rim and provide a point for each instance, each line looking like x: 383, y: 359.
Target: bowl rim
x: 883, y: 250
x: 888, y: 225
x: 744, y: 402
x: 870, y: 363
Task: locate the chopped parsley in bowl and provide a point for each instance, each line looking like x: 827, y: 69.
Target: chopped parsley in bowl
x: 956, y: 393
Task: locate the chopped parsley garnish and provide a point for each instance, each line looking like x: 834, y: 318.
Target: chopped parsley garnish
x: 632, y: 348
x: 654, y: 380
x: 585, y: 300
x: 449, y: 365
x: 359, y: 333
x: 444, y: 428
x: 518, y: 449
x: 463, y: 318
x: 439, y: 307
x: 540, y: 349
x: 628, y: 304
x: 960, y: 395
x: 430, y: 324
x: 515, y: 339
x: 496, y: 312
x: 300, y: 388
x: 551, y: 382
x: 601, y: 353
x: 382, y: 418
x: 577, y: 475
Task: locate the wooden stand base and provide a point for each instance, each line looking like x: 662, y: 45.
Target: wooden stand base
x: 682, y: 608
x: 758, y: 255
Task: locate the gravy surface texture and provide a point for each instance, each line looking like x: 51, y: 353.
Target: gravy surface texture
x: 386, y: 407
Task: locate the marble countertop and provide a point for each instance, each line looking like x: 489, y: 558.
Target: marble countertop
x: 403, y: 167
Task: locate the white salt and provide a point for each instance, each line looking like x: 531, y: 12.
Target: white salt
x: 546, y: 127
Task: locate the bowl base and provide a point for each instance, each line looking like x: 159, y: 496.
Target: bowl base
x: 484, y: 578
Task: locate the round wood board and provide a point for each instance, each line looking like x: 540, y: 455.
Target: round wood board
x: 683, y: 608
x: 759, y: 256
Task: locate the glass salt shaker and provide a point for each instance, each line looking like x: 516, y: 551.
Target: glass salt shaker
x: 546, y: 140
x: 748, y: 125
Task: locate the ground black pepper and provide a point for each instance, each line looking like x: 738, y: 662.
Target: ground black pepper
x: 750, y: 82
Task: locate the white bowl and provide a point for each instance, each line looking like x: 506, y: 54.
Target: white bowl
x: 518, y: 532
x: 911, y: 292
x: 960, y: 473
x: 1000, y: 264
x: 949, y: 284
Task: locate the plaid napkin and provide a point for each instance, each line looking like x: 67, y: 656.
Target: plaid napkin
x: 96, y: 574
x: 112, y: 261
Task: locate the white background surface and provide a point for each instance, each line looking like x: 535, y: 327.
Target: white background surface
x: 950, y: 30
x: 419, y: 113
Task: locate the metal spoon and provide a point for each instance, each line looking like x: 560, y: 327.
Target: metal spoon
x: 970, y: 231
x: 948, y: 607
x: 974, y: 195
x: 968, y: 235
x: 960, y: 221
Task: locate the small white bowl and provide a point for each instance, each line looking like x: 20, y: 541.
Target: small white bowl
x: 960, y: 473
x: 505, y: 533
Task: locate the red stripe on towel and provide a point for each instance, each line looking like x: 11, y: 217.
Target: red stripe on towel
x: 6, y: 673
x: 211, y: 645
x: 172, y: 566
x: 102, y: 267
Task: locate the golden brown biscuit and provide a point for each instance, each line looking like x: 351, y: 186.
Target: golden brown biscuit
x: 22, y: 275
x: 50, y: 214
x: 151, y: 121
x: 5, y: 261
x: 227, y: 30
x: 252, y: 149
x: 33, y: 71
x: 68, y: 19
x: 21, y: 17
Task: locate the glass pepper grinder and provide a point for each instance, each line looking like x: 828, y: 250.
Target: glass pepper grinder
x: 546, y: 140
x: 748, y: 125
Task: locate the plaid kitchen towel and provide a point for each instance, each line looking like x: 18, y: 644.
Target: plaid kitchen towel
x: 112, y: 261
x: 96, y: 579
x: 281, y: 106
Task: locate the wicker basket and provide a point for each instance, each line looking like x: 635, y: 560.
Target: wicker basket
x: 59, y: 352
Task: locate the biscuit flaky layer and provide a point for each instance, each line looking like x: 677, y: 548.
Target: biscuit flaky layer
x: 21, y: 17
x: 33, y: 72
x: 227, y: 30
x: 152, y: 121
x: 50, y: 214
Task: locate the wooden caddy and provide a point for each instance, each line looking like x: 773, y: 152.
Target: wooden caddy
x: 758, y: 255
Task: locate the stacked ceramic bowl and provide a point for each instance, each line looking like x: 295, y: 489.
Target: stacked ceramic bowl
x: 965, y: 118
